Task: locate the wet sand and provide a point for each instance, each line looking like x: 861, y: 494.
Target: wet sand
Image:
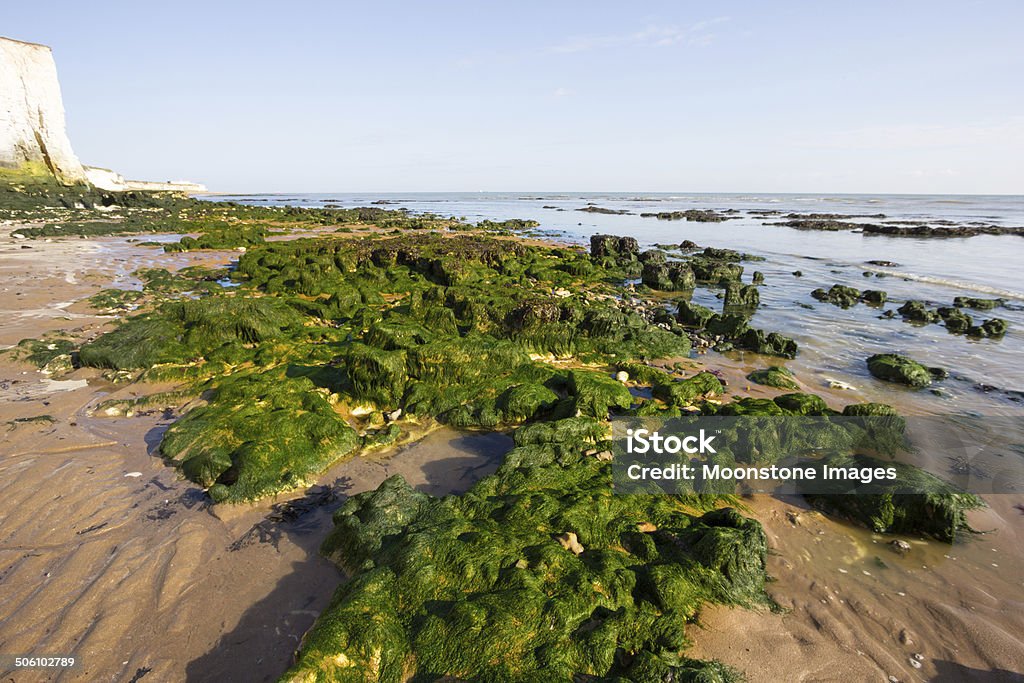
x: 855, y: 609
x: 106, y: 554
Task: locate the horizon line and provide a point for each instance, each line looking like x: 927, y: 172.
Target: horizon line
x: 652, y: 192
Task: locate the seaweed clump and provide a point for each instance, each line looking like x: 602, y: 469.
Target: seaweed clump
x: 893, y: 367
x: 774, y: 376
x: 919, y: 503
x: 539, y: 572
x: 260, y: 433
x: 845, y: 297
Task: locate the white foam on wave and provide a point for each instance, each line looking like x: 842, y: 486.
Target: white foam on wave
x: 946, y: 282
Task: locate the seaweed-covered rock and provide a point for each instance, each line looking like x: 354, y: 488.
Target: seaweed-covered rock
x: 977, y: 304
x: 376, y: 374
x: 956, y: 321
x: 994, y: 327
x: 873, y: 296
x: 774, y: 376
x: 51, y: 355
x: 182, y: 331
x: 916, y: 311
x: 655, y: 275
x: 869, y: 410
x: 770, y: 344
x: 801, y: 404
x: 715, y: 271
x: 682, y: 276
x: 741, y: 296
x: 524, y: 401
x: 616, y: 247
x: 653, y: 256
x: 838, y: 295
x: 728, y: 325
x: 695, y: 215
x: 479, y: 587
x: 915, y: 501
x: 720, y: 254
x: 668, y: 276
x: 260, y: 433
x: 893, y: 367
x: 686, y: 391
x: 595, y: 393
x: 643, y: 373
x: 751, y: 406
x: 693, y: 315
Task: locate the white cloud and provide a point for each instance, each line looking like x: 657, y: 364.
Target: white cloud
x: 652, y: 36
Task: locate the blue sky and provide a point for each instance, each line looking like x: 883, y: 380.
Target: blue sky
x: 448, y: 96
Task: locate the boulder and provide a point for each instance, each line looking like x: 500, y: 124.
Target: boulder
x: 616, y: 247
x: 977, y: 304
x: 956, y: 320
x: 774, y: 376
x: 838, y: 295
x: 741, y: 296
x: 918, y: 312
x: 801, y: 404
x: 693, y: 315
x: 892, y: 367
x: 770, y: 344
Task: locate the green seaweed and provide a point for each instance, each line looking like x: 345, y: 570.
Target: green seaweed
x: 915, y: 502
x: 259, y: 434
x: 893, y: 367
x: 480, y: 587
x: 774, y: 376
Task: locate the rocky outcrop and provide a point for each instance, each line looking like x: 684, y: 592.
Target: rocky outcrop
x: 105, y: 179
x: 33, y: 138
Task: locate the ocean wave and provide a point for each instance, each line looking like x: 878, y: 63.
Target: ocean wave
x: 947, y: 282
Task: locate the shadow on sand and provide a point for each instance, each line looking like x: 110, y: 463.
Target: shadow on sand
x: 261, y: 646
x: 951, y: 671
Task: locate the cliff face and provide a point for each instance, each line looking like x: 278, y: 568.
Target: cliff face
x: 33, y: 138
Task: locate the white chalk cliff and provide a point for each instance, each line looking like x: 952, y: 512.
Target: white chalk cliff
x: 33, y: 135
x: 32, y: 130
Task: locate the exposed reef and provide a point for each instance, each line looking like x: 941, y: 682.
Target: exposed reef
x: 845, y: 297
x: 326, y: 347
x: 695, y: 215
x: 956, y: 320
x: 838, y: 222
